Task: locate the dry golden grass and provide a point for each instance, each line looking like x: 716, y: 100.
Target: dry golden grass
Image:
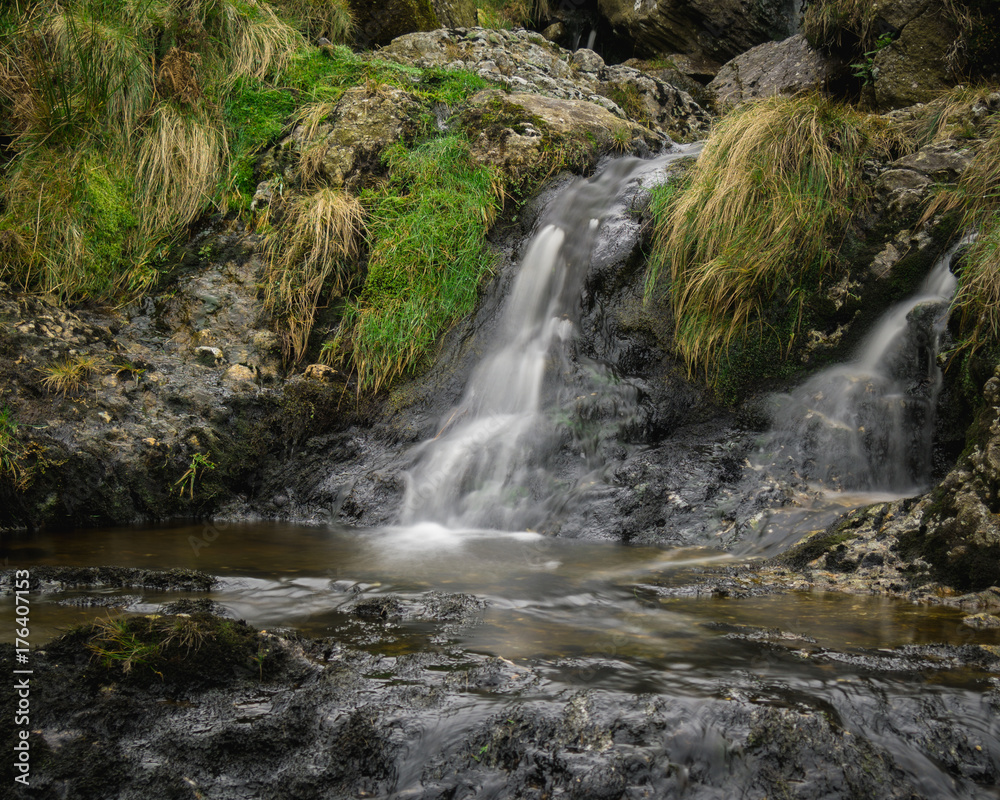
x: 66, y: 376
x: 826, y: 21
x: 261, y: 43
x: 107, y: 61
x: 332, y: 19
x: 319, y: 233
x: 181, y: 160
x: 314, y: 149
x: 177, y: 76
x: 756, y: 226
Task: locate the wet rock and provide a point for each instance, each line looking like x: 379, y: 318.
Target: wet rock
x: 982, y: 621
x: 116, y: 577
x: 320, y: 372
x: 941, y: 162
x: 773, y: 68
x: 240, y: 378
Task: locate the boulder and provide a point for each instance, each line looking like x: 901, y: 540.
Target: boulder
x: 717, y: 29
x: 773, y: 68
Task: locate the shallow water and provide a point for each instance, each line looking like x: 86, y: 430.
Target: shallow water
x: 547, y: 597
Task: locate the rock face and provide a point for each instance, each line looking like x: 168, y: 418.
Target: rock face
x: 526, y: 62
x: 914, y: 68
x: 773, y: 68
x: 177, y: 375
x: 380, y: 23
x: 716, y: 29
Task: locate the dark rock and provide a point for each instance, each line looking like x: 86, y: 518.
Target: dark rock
x: 717, y: 29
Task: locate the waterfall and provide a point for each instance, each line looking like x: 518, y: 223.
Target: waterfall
x: 487, y: 466
x: 868, y: 424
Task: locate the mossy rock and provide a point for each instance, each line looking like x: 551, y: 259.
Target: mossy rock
x: 187, y: 651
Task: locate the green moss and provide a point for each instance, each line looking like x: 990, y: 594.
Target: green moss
x: 255, y: 114
x: 629, y: 99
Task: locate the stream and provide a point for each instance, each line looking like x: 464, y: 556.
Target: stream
x: 691, y: 672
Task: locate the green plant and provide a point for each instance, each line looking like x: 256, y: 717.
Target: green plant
x: 13, y: 467
x: 117, y: 144
x: 118, y: 644
x: 751, y: 233
x: 428, y: 254
x: 66, y: 376
x: 826, y: 22
x: 865, y: 70
x: 507, y: 14
x: 199, y: 463
x: 977, y: 199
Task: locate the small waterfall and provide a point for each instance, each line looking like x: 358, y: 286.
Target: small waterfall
x: 868, y: 424
x: 488, y: 466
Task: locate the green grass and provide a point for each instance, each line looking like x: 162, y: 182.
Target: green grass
x: 13, y: 467
x: 118, y: 142
x: 753, y: 231
x: 427, y: 230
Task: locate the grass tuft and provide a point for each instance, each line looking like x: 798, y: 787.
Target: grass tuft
x: 180, y: 163
x: 308, y: 254
x: 754, y: 229
x: 66, y: 376
x: 331, y: 19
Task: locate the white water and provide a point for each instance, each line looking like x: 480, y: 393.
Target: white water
x: 486, y: 467
x: 868, y: 424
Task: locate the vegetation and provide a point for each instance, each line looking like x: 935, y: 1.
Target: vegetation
x: 855, y: 25
x: 756, y: 227
x: 427, y: 232
x: 13, y: 453
x: 118, y: 142
x: 319, y: 234
x: 199, y: 465
x: 65, y: 376
x: 189, y: 649
x: 977, y: 197
x: 508, y: 14
x: 328, y: 19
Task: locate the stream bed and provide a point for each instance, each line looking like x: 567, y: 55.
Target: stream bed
x: 462, y: 643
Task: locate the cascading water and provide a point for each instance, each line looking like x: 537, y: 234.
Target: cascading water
x: 868, y: 424
x: 487, y: 466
